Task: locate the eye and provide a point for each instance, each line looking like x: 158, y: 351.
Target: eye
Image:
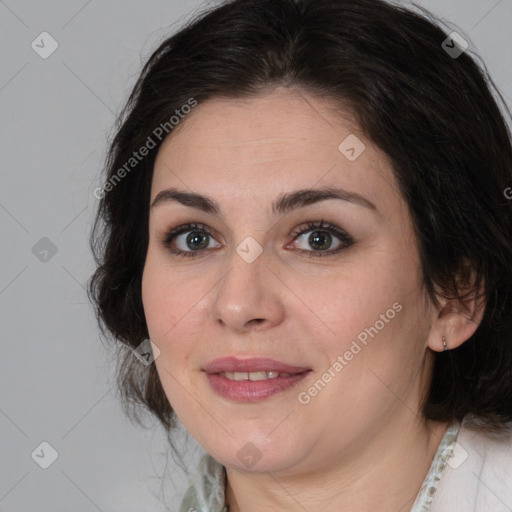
x: 197, y: 239
x: 321, y: 240
x: 193, y: 239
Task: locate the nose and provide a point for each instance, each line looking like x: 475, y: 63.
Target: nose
x: 249, y: 296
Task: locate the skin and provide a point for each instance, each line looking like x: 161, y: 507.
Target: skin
x: 361, y: 443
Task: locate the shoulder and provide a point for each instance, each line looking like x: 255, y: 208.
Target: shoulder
x: 478, y: 475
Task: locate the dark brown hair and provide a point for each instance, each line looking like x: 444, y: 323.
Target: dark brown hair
x: 435, y: 116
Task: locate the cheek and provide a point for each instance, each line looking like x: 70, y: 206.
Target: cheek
x: 161, y: 310
x: 369, y: 314
x: 173, y: 311
x: 351, y: 303
x: 156, y: 302
x: 165, y: 296
x: 166, y: 303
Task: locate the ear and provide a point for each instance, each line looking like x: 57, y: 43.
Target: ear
x: 457, y: 320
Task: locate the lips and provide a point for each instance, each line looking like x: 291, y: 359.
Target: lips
x: 252, y: 380
x: 256, y: 364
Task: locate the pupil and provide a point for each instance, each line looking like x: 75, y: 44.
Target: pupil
x: 319, y: 238
x: 197, y: 241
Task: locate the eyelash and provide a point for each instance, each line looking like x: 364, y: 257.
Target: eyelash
x: 345, y: 239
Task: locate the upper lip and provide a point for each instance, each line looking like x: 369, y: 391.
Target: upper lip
x: 254, y: 364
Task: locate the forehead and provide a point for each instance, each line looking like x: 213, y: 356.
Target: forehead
x: 271, y: 123
x: 266, y: 145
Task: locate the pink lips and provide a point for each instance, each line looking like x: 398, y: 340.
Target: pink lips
x: 247, y: 390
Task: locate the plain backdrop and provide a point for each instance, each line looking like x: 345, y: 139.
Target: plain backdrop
x: 56, y: 379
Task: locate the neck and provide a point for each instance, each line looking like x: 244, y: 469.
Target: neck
x: 385, y: 477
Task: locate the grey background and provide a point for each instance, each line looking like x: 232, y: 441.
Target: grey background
x: 56, y: 379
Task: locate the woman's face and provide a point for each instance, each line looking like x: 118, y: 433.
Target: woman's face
x: 345, y: 303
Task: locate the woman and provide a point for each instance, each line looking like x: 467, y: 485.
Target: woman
x: 305, y: 211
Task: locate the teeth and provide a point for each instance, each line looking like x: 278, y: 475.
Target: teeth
x: 253, y: 375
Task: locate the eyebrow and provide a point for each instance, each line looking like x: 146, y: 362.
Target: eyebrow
x: 285, y: 203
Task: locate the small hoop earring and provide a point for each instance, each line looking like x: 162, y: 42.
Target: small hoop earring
x: 444, y: 344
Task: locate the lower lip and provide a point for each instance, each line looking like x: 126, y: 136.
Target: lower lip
x: 252, y: 391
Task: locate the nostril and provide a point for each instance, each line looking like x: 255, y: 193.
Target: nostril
x: 256, y: 321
